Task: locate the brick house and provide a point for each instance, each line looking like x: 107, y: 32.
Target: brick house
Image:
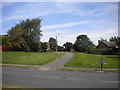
x: 107, y: 45
x: 0, y: 48
x: 48, y: 44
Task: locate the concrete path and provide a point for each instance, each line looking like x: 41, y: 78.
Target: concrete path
x: 58, y: 63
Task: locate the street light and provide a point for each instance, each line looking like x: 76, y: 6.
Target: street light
x: 56, y: 41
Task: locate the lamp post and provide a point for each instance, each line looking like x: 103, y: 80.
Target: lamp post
x: 56, y: 42
x: 58, y: 33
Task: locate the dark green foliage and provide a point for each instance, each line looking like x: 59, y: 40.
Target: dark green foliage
x: 44, y: 47
x: 32, y: 33
x: 60, y: 48
x: 116, y: 40
x: 24, y: 36
x: 53, y: 43
x: 16, y: 39
x: 6, y: 43
x: 82, y: 43
x: 102, y: 51
x: 90, y: 48
x: 68, y: 46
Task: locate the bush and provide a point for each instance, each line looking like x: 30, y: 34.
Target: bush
x: 103, y: 51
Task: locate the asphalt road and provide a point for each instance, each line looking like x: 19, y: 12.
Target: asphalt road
x: 58, y: 79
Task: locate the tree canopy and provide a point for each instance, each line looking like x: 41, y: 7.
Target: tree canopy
x: 81, y: 43
x: 68, y: 46
x: 116, y: 40
x: 53, y: 43
x: 24, y: 36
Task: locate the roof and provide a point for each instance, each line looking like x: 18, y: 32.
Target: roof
x: 110, y: 44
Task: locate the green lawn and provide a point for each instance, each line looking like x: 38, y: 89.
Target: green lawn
x: 92, y: 61
x: 29, y: 58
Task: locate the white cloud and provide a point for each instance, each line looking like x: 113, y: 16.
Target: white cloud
x: 63, y: 25
x: 29, y: 10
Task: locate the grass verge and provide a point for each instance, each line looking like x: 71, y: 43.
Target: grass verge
x: 29, y: 58
x: 14, y: 86
x: 87, y: 70
x: 17, y: 66
x: 92, y: 61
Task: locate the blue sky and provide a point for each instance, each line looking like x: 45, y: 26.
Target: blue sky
x: 70, y: 19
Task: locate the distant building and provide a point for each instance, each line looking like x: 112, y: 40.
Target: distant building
x: 0, y: 48
x: 48, y: 46
x: 107, y: 45
x: 48, y: 49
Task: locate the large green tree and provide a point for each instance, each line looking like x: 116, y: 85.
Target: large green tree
x: 24, y: 36
x: 32, y: 33
x: 82, y: 43
x: 68, y: 46
x: 53, y: 43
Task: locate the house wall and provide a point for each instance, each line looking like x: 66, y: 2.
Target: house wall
x: 48, y: 47
x: 0, y: 48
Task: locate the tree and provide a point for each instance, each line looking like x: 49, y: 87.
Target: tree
x: 32, y: 33
x: 15, y: 38
x: 116, y: 40
x: 53, y: 43
x: 24, y: 36
x: 6, y: 43
x: 44, y: 46
x: 60, y: 48
x: 68, y: 46
x: 81, y: 43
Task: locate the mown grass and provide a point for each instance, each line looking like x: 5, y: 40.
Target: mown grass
x: 92, y: 61
x: 29, y: 58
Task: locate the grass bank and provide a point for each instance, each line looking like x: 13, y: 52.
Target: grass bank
x: 87, y: 70
x: 14, y: 86
x: 92, y: 61
x: 29, y: 58
x: 17, y: 66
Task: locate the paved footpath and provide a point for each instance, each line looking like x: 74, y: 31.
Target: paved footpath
x: 58, y: 63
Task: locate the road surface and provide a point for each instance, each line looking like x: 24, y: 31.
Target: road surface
x: 58, y: 79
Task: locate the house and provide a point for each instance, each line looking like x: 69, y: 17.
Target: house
x: 107, y: 45
x: 48, y: 44
x: 0, y: 48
